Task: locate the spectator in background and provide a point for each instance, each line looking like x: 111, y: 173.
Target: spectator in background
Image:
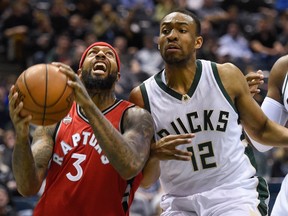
x: 279, y: 167
x: 137, y: 71
x: 6, y: 175
x: 105, y: 23
x: 125, y: 53
x: 146, y: 5
x: 8, y: 146
x: 234, y: 47
x: 78, y: 27
x: 131, y: 76
x: 250, y: 6
x: 4, y: 4
x: 161, y: 8
x: 15, y: 28
x: 282, y: 36
x: 87, y: 8
x: 264, y: 44
x: 149, y: 56
x: 79, y: 47
x: 211, y: 11
x: 131, y: 30
x: 59, y: 15
x: 6, y: 206
x: 40, y: 39
x: 4, y: 111
x: 90, y: 38
x: 62, y: 51
x: 209, y: 48
x: 194, y: 5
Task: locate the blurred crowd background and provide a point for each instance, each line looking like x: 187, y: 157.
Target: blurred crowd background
x: 252, y: 34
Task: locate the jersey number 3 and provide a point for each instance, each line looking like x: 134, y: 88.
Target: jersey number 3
x: 79, y: 171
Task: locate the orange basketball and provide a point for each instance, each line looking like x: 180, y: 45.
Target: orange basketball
x: 45, y: 94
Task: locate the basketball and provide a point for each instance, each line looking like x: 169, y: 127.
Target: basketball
x: 45, y: 94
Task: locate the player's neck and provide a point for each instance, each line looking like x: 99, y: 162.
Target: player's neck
x: 103, y: 100
x: 179, y: 79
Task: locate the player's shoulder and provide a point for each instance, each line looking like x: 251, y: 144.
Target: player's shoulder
x: 279, y: 69
x: 229, y: 70
x: 135, y: 97
x: 136, y: 114
x: 227, y: 66
x: 283, y: 61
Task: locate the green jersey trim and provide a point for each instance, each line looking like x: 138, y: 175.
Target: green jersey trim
x: 176, y: 94
x: 264, y: 195
x: 220, y: 84
x: 145, y: 97
x: 262, y: 187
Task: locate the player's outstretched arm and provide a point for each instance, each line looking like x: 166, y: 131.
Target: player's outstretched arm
x: 255, y: 122
x: 164, y: 149
x: 28, y: 168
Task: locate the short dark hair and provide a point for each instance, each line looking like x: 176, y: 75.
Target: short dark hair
x: 189, y: 13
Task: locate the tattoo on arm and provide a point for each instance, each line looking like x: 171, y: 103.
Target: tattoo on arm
x: 42, y: 146
x: 138, y: 127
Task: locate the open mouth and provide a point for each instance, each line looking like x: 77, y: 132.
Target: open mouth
x: 99, y: 67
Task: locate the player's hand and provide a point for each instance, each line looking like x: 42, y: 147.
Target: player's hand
x: 165, y: 148
x: 81, y: 95
x: 21, y: 123
x: 254, y: 79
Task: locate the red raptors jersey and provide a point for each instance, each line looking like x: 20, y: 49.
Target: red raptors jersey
x: 80, y: 180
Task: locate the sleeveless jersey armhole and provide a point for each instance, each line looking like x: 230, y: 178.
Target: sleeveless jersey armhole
x: 145, y: 97
x: 220, y: 84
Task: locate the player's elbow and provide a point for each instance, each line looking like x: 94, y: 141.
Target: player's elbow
x: 129, y: 174
x: 27, y: 191
x: 27, y: 188
x: 258, y: 134
x: 132, y: 170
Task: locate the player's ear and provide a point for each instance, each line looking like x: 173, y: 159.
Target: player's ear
x: 158, y: 45
x: 198, y: 42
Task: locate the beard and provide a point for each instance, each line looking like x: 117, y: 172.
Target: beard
x: 98, y: 83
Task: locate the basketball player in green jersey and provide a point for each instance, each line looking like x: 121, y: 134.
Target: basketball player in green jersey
x: 207, y: 103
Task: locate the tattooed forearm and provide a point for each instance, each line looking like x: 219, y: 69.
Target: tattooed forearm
x: 42, y: 151
x: 140, y: 131
x: 45, y: 131
x: 128, y: 152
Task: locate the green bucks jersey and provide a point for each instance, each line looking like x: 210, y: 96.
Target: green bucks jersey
x: 218, y: 154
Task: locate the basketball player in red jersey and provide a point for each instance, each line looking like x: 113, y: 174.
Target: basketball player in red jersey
x: 92, y: 159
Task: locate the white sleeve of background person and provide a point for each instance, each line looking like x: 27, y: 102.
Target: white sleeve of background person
x: 275, y: 112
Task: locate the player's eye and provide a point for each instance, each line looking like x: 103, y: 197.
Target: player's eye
x: 110, y: 54
x: 166, y: 31
x: 92, y: 52
x: 182, y: 30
